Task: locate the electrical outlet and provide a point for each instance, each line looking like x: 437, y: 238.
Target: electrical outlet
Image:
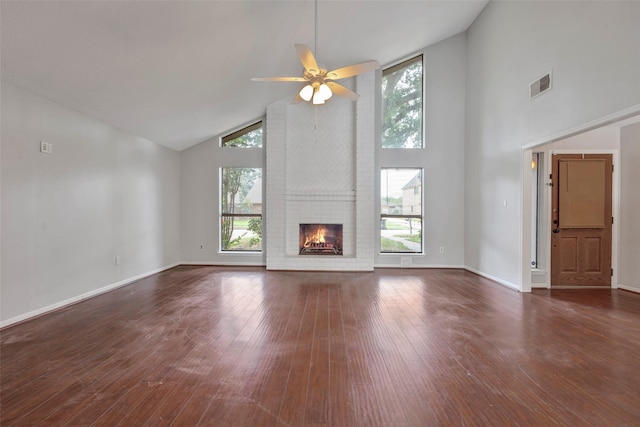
x: 405, y: 262
x: 118, y: 260
x: 46, y: 148
x: 441, y: 249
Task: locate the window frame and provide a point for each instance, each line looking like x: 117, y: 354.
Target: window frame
x: 243, y: 157
x: 396, y: 66
x: 234, y: 215
x: 420, y: 216
x: 401, y: 158
x: 243, y: 130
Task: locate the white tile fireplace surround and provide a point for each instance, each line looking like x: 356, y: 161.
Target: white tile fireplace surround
x: 322, y: 174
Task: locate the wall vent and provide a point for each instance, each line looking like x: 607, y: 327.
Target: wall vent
x: 540, y: 86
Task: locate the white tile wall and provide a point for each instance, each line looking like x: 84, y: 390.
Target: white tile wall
x: 320, y: 169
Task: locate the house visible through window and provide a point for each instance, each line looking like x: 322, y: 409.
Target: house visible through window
x: 401, y: 210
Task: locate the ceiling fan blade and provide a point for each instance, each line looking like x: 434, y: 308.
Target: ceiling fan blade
x: 338, y: 89
x: 279, y: 79
x: 353, y: 70
x: 308, y: 60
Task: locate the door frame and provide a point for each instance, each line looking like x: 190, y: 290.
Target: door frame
x: 615, y: 207
x: 526, y: 221
x: 527, y: 149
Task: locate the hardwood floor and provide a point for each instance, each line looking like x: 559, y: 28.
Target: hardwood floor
x: 247, y: 347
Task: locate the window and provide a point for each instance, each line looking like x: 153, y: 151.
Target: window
x: 241, y: 209
x: 248, y: 137
x: 241, y: 191
x: 402, y: 170
x: 402, y: 105
x: 401, y: 210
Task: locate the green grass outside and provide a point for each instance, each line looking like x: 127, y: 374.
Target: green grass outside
x: 395, y: 226
x: 245, y: 245
x: 410, y: 237
x: 388, y: 245
x: 241, y: 223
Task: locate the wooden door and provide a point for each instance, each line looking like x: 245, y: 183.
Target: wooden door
x: 581, y: 220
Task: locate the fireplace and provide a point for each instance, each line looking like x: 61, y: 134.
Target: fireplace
x: 320, y: 239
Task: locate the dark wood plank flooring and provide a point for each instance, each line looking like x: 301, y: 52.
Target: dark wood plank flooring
x: 222, y: 346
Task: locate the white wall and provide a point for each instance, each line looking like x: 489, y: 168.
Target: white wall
x: 590, y: 47
x: 629, y: 276
x: 604, y: 138
x: 66, y: 216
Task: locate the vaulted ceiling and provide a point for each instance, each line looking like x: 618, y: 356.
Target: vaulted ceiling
x: 178, y: 72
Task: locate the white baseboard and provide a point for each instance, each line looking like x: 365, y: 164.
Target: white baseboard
x: 253, y: 264
x: 82, y: 297
x: 540, y: 286
x: 629, y: 288
x: 455, y: 267
x: 225, y: 264
x: 495, y: 279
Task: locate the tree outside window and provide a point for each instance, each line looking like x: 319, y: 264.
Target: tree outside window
x: 241, y: 207
x: 402, y: 105
x: 247, y: 137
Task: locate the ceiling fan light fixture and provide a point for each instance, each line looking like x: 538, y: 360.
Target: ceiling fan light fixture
x: 318, y: 98
x: 306, y: 92
x: 325, y: 91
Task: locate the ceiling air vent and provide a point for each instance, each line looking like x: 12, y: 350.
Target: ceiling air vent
x: 540, y: 86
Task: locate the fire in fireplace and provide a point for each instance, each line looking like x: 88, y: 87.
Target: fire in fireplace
x: 320, y: 239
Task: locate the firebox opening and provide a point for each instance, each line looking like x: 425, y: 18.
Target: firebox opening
x: 320, y: 239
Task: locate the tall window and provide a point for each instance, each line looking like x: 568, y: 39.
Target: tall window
x: 402, y: 105
x: 401, y: 210
x: 401, y: 174
x: 241, y: 196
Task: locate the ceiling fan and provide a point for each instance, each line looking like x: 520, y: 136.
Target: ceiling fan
x: 320, y: 84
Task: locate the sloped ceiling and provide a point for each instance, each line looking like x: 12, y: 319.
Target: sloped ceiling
x: 178, y: 72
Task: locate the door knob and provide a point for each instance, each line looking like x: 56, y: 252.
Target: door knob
x: 556, y: 230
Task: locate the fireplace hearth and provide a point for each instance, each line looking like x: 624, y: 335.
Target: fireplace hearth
x: 320, y: 239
